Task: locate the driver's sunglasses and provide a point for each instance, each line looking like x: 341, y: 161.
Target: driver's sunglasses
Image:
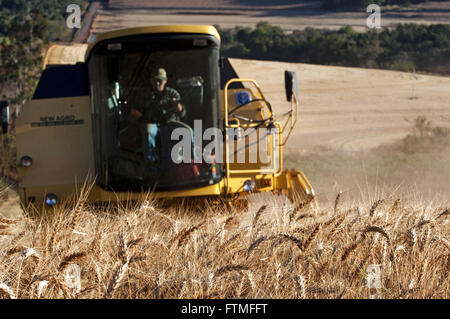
x: 157, y: 81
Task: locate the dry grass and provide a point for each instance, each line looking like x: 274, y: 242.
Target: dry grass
x: 144, y: 251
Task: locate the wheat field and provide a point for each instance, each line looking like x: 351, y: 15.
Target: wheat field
x: 270, y: 250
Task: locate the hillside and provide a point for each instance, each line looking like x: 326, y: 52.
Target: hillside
x: 351, y: 109
x: 288, y: 14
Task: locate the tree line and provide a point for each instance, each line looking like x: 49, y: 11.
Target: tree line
x: 405, y: 47
x: 54, y: 11
x: 26, y: 28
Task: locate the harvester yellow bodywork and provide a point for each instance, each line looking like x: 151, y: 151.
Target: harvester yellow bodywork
x: 60, y: 150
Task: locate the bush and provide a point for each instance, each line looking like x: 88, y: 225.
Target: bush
x: 425, y: 137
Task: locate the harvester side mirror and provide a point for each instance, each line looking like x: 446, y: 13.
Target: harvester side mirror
x: 4, y: 116
x: 290, y: 83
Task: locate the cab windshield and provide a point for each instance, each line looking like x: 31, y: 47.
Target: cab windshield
x: 143, y: 89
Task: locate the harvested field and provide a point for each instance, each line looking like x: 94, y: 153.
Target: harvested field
x: 351, y: 109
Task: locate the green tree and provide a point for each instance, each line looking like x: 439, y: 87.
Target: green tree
x: 21, y: 59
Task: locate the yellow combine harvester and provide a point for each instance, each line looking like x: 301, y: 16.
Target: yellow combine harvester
x: 210, y: 134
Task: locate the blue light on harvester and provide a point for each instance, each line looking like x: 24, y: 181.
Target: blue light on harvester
x: 249, y: 186
x: 50, y: 199
x: 242, y: 97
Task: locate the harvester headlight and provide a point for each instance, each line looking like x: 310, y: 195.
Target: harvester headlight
x: 26, y: 161
x: 249, y: 186
x: 50, y: 199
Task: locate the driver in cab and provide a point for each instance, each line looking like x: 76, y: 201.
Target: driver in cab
x: 163, y: 105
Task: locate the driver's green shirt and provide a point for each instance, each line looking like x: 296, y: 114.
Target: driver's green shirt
x: 159, y: 108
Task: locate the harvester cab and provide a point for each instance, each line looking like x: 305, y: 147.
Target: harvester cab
x: 153, y: 109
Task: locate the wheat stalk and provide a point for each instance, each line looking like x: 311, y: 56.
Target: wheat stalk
x: 348, y: 250
x: 116, y: 279
x: 374, y: 206
x: 40, y: 288
x: 55, y: 231
x: 412, y: 236
x: 336, y: 202
x: 301, y: 285
x: 70, y: 259
x: 208, y: 242
x: 185, y: 235
x: 396, y: 205
x: 296, y: 241
x: 198, y: 273
x: 76, y: 214
x: 122, y: 249
x: 444, y: 213
x: 17, y: 249
x: 255, y: 244
x: 7, y: 221
x: 229, y: 268
x: 300, y: 206
x: 134, y: 242
x: 229, y: 241
x: 16, y: 239
x: 337, y: 222
x: 258, y: 213
x: 304, y: 216
x: 422, y: 223
x: 6, y: 291
x: 311, y: 237
x: 379, y: 230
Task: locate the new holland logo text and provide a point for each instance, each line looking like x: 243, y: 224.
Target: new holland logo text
x: 58, y: 120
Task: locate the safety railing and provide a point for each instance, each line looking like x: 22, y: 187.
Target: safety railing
x: 275, y: 156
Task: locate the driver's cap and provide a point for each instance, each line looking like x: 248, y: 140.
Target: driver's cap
x: 160, y: 74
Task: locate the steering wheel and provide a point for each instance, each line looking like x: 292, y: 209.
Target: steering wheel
x: 172, y: 125
x: 174, y: 122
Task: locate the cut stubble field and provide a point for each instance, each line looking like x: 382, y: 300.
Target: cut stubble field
x: 290, y: 15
